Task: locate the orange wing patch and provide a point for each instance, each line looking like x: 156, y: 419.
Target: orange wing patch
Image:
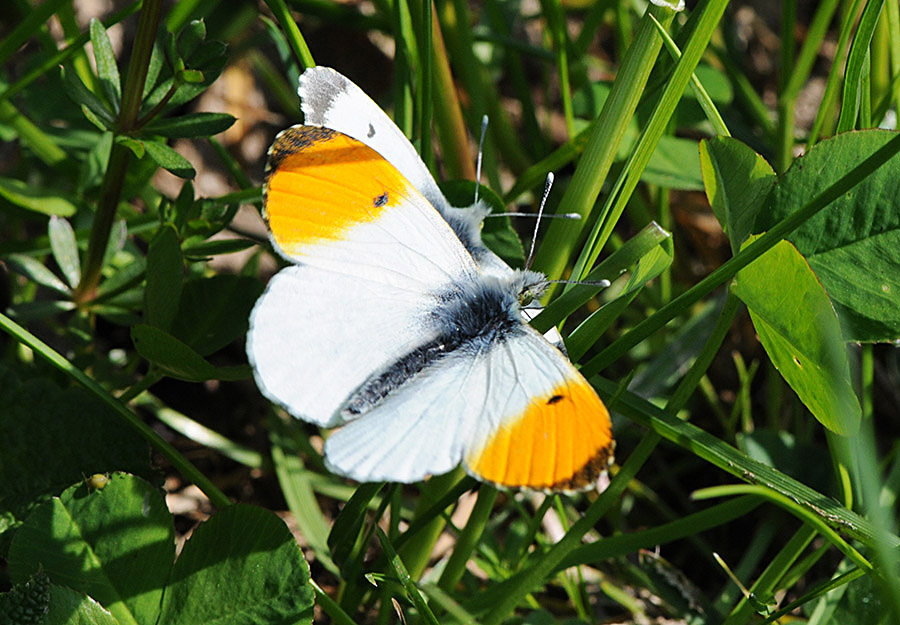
x: 321, y: 183
x: 562, y: 441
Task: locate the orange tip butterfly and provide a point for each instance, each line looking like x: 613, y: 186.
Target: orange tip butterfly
x: 397, y: 325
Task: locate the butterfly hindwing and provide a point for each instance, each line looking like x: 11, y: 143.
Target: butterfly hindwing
x: 515, y: 412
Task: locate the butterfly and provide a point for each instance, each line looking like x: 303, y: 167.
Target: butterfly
x: 395, y: 323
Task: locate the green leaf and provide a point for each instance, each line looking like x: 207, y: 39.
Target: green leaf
x: 165, y: 269
x: 179, y: 360
x: 344, y: 534
x: 197, y: 247
x: 191, y: 125
x: 115, y: 544
x: 68, y: 607
x: 157, y: 62
x: 35, y: 271
x: 800, y: 331
x: 65, y: 249
x: 35, y: 198
x: 95, y: 119
x: 737, y: 182
x: 214, y: 311
x: 167, y: 158
x: 248, y: 569
x: 674, y: 164
x: 191, y: 38
x: 136, y: 147
x: 854, y: 244
x: 84, y: 97
x: 94, y: 165
x: 107, y: 70
x: 84, y: 434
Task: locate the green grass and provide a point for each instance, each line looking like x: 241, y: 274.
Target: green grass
x: 746, y: 347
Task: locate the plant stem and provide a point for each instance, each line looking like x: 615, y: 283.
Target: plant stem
x: 120, y: 156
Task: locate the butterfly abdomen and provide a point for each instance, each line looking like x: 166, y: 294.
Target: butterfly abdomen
x: 466, y: 321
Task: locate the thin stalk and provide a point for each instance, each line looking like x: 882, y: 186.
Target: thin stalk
x: 784, y: 148
x: 893, y: 17
x: 556, y: 24
x: 468, y: 539
x: 765, y: 585
x: 662, y: 113
x: 603, y: 144
x: 448, y: 117
x: 292, y: 32
x: 825, y: 115
x: 426, y: 103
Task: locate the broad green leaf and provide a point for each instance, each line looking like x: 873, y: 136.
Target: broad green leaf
x: 214, y: 311
x: 799, y: 329
x: 674, y: 165
x: 177, y: 359
x: 115, y: 544
x: 37, y: 272
x: 854, y: 244
x: 737, y: 181
x: 169, y: 159
x: 165, y: 269
x: 35, y: 199
x: 107, y: 70
x: 85, y: 437
x: 68, y: 607
x: 242, y: 567
x: 497, y: 232
x: 191, y: 125
x: 65, y: 249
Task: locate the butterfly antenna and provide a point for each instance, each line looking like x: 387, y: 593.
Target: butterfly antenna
x: 484, y: 123
x: 537, y: 222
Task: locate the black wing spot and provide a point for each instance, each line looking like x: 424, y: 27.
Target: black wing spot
x: 381, y: 200
x: 555, y: 399
x: 371, y: 132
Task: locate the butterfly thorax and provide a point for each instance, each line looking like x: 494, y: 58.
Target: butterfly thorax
x: 467, y: 319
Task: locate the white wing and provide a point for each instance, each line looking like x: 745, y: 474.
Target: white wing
x: 375, y: 259
x: 332, y: 100
x: 516, y: 413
